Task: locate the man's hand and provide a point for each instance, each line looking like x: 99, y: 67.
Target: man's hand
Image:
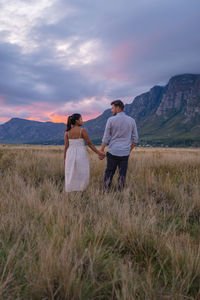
x: 132, y: 146
x: 101, y: 152
x: 101, y: 155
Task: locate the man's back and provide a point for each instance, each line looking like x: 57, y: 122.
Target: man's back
x: 121, y: 131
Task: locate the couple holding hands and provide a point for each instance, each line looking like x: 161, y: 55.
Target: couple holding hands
x: 121, y: 135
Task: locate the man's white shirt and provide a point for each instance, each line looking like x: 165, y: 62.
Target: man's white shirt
x: 120, y: 132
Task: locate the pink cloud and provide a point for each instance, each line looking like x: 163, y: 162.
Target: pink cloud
x: 122, y: 53
x: 120, y: 58
x: 3, y: 119
x: 114, y: 67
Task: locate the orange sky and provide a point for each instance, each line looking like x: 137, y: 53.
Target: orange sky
x: 56, y: 118
x: 44, y: 112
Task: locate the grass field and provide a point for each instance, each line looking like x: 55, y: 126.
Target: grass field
x: 142, y: 243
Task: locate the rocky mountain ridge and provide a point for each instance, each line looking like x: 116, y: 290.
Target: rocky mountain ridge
x: 166, y: 114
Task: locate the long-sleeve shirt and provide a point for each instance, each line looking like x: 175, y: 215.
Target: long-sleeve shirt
x: 120, y: 132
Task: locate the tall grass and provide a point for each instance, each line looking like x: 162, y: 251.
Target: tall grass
x: 142, y: 243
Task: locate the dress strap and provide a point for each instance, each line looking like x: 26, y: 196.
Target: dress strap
x: 80, y: 133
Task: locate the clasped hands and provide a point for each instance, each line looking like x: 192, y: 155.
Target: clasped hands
x: 101, y: 155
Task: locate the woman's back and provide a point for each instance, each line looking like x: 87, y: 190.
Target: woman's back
x: 75, y: 133
x: 77, y: 163
x: 75, y: 138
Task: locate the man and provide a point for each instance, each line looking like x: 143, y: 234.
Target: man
x: 121, y: 133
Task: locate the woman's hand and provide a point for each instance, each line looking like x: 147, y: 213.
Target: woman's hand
x: 101, y: 155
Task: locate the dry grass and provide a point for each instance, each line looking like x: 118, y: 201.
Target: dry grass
x: 142, y: 243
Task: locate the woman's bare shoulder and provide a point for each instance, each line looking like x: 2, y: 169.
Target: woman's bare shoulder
x: 84, y: 130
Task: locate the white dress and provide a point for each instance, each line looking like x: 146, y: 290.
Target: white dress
x: 77, y: 168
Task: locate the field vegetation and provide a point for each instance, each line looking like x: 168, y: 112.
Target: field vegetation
x: 142, y: 243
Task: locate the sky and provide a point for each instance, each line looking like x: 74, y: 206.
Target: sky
x: 59, y: 57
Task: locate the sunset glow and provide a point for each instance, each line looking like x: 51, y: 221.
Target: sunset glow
x: 54, y: 119
x: 42, y: 114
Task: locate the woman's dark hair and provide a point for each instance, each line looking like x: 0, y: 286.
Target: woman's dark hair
x: 72, y: 120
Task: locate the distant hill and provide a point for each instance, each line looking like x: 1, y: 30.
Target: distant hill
x: 22, y: 131
x: 166, y: 115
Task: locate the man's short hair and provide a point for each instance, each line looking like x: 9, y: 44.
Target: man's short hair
x: 118, y: 103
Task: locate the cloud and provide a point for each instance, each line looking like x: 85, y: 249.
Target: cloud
x: 58, y: 56
x: 19, y: 17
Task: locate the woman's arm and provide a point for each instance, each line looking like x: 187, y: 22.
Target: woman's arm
x: 66, y: 145
x: 88, y: 141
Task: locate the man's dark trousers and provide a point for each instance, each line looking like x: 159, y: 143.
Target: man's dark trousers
x: 113, y: 162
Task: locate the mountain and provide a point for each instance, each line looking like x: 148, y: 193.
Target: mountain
x: 165, y: 115
x: 22, y: 131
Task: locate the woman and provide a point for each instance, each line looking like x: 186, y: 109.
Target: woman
x: 77, y: 169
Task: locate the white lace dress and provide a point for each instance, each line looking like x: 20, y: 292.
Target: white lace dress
x: 77, y: 169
